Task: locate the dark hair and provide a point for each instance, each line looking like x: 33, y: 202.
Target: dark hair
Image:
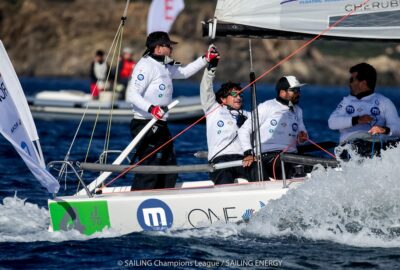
x: 225, y: 90
x: 282, y: 84
x: 365, y: 72
x: 99, y: 53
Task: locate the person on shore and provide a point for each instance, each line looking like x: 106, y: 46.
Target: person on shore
x: 150, y: 91
x: 366, y: 120
x: 125, y: 68
x: 281, y: 128
x: 98, y: 74
x: 223, y: 124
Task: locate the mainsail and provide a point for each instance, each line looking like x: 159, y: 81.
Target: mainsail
x: 373, y: 19
x: 17, y: 124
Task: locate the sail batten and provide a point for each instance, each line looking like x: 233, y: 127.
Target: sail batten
x: 372, y: 20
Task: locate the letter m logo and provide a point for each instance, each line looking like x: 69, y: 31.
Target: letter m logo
x: 154, y: 217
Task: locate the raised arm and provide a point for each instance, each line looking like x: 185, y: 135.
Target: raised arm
x: 184, y: 72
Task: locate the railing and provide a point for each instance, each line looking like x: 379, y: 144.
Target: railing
x: 70, y: 165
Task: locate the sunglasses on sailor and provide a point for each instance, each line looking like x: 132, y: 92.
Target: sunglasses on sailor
x: 295, y: 90
x: 235, y: 94
x: 166, y: 46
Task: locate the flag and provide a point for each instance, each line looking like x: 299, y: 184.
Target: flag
x: 162, y: 14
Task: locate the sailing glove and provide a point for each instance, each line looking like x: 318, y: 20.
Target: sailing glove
x: 212, y: 57
x: 158, y: 111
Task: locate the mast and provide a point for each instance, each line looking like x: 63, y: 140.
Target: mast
x: 255, y: 123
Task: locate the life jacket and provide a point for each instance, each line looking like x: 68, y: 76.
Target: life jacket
x: 126, y: 69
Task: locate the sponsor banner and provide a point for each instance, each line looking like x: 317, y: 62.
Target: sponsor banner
x: 154, y: 215
x: 85, y: 217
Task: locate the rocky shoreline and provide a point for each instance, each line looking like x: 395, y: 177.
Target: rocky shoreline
x: 59, y: 38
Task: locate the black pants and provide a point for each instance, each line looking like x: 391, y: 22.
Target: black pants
x: 228, y: 175
x: 269, y: 167
x: 155, y: 137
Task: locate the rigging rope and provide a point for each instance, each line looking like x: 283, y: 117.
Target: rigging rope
x: 302, y: 47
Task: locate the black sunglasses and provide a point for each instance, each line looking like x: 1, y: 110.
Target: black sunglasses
x: 295, y: 89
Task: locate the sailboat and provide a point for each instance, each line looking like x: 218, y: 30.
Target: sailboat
x: 94, y: 207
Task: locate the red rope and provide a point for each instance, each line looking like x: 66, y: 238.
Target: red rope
x: 324, y: 150
x: 257, y: 79
x: 277, y: 156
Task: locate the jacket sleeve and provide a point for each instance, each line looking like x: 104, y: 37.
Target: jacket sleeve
x: 244, y: 133
x: 392, y: 118
x: 302, y: 127
x: 93, y: 78
x: 339, y: 119
x: 141, y: 78
x: 207, y: 95
x: 184, y: 72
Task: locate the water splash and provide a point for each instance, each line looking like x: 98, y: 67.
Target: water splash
x: 21, y: 221
x: 357, y: 206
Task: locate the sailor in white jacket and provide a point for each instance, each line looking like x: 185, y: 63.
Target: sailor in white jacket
x: 224, y: 116
x: 365, y: 117
x: 281, y: 127
x: 150, y: 91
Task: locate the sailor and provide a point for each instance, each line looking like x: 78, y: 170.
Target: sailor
x: 366, y: 120
x: 224, y: 116
x: 281, y: 128
x: 98, y: 74
x: 125, y: 68
x: 150, y: 91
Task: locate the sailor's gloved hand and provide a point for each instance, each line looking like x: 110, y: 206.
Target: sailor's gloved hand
x: 212, y: 57
x: 158, y: 111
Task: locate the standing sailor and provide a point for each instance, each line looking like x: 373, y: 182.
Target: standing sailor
x: 98, y: 74
x: 364, y: 117
x: 150, y: 91
x: 281, y: 127
x: 223, y: 123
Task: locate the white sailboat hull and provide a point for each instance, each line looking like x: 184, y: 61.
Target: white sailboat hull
x: 174, y: 209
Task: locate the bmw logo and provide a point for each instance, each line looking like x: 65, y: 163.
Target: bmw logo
x: 220, y: 123
x: 161, y: 86
x: 273, y: 122
x: 140, y: 77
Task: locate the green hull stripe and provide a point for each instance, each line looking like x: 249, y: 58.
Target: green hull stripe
x: 86, y: 217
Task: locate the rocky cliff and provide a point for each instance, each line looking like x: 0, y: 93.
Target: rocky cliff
x: 59, y: 38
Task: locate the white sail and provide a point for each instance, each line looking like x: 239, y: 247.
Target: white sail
x: 162, y: 14
x: 17, y: 125
x: 372, y: 20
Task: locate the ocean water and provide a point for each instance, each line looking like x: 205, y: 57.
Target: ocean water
x: 335, y: 220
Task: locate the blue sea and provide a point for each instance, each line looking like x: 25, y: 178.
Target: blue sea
x: 347, y: 219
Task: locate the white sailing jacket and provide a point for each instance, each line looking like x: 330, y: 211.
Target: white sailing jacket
x: 151, y: 84
x: 376, y: 105
x: 279, y: 127
x: 221, y: 122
